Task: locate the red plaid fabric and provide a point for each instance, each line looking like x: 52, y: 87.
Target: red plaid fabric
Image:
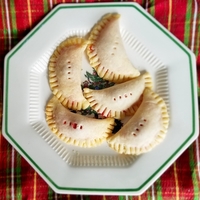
x: 18, y: 180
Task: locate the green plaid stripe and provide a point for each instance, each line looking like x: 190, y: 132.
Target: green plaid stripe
x: 43, y: 191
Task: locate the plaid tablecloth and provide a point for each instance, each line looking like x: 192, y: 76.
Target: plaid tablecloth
x: 18, y: 180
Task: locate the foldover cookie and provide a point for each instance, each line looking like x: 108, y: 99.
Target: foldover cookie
x: 76, y: 129
x: 106, y: 52
x: 120, y: 99
x: 65, y: 73
x: 145, y: 129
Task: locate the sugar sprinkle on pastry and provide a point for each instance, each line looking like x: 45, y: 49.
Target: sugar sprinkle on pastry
x: 74, y: 128
x: 145, y: 129
x: 119, y: 100
x: 65, y: 73
x: 106, y: 51
x: 132, y: 95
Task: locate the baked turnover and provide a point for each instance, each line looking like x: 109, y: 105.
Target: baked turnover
x: 106, y: 52
x: 120, y: 99
x: 65, y: 73
x: 74, y: 128
x: 145, y: 129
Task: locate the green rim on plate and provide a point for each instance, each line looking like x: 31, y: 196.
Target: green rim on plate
x: 31, y: 34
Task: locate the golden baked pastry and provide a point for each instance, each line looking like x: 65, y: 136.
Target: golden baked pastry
x: 74, y: 128
x: 106, y: 52
x: 118, y: 100
x: 65, y: 73
x: 145, y: 129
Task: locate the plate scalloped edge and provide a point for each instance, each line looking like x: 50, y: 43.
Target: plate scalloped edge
x: 75, y: 157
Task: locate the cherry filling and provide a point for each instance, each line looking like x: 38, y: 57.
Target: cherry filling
x: 91, y: 48
x: 103, y: 113
x: 137, y: 129
x: 125, y: 95
x: 74, y: 125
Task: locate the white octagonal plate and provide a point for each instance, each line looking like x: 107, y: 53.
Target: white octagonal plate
x: 69, y: 169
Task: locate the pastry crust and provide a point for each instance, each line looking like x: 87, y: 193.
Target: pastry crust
x: 106, y: 52
x: 145, y: 129
x: 65, y: 73
x: 120, y: 99
x: 74, y: 128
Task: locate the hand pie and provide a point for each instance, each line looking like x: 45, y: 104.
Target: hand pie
x: 118, y: 100
x: 145, y: 129
x: 65, y: 73
x: 76, y: 129
x: 106, y: 51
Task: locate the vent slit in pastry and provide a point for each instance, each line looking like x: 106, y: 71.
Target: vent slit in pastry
x: 146, y: 128
x: 77, y: 129
x: 65, y: 73
x: 106, y: 52
x: 118, y: 100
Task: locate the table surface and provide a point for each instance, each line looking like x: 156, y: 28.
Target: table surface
x: 18, y: 180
